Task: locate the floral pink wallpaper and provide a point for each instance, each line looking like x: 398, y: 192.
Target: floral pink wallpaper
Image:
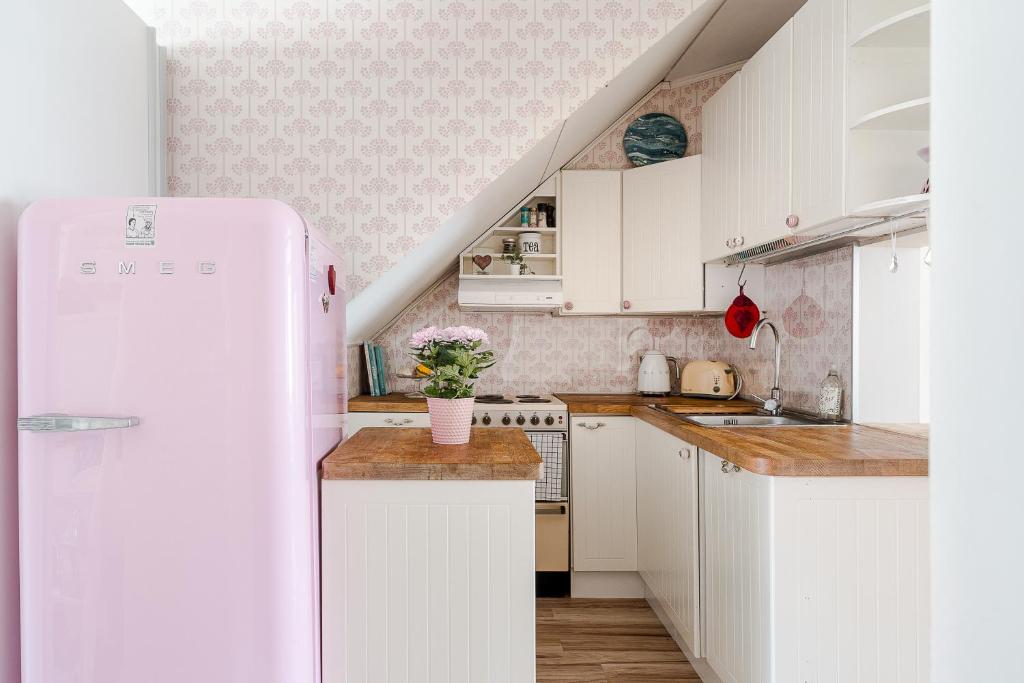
x: 810, y: 300
x: 378, y: 118
x: 684, y: 102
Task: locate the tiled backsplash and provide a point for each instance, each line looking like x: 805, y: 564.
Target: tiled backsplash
x: 810, y: 300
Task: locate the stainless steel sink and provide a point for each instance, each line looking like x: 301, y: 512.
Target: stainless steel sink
x: 755, y: 421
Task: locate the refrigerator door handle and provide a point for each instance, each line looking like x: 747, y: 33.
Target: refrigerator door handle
x: 73, y: 423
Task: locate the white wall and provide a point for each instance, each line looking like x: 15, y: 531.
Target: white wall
x: 977, y: 445
x: 74, y: 120
x: 890, y: 371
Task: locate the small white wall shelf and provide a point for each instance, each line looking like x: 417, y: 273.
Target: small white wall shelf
x: 888, y: 106
x: 911, y: 28
x: 910, y: 115
x: 496, y: 288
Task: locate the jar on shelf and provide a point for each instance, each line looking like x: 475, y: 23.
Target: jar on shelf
x: 508, y: 245
x: 830, y: 397
x: 524, y: 216
x: 533, y: 218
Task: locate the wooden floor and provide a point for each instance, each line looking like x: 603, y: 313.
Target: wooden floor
x: 605, y: 641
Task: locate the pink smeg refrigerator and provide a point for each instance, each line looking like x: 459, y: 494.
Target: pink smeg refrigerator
x: 179, y: 380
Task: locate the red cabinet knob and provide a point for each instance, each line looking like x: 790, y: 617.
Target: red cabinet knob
x: 568, y: 305
x: 626, y: 305
x: 792, y: 220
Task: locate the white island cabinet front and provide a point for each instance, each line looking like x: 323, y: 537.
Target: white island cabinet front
x: 428, y: 558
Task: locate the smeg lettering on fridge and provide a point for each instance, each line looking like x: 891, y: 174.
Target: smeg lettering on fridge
x: 163, y: 267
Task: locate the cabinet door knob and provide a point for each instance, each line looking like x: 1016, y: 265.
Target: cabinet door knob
x: 684, y: 450
x: 739, y: 241
x: 626, y: 304
x: 568, y: 305
x: 735, y: 468
x: 587, y: 425
x: 792, y: 220
x: 725, y: 466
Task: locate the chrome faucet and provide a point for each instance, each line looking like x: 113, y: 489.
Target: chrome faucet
x: 772, y: 405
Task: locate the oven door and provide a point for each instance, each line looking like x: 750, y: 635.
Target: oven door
x: 552, y: 537
x: 552, y: 501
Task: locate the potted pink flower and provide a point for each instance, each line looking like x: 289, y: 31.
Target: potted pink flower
x: 455, y: 359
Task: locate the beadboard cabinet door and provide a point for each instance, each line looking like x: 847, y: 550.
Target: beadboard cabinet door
x: 765, y: 139
x: 603, y: 493
x: 662, y: 269
x: 591, y: 225
x: 737, y: 576
x: 720, y: 173
x: 667, y: 528
x: 819, y: 122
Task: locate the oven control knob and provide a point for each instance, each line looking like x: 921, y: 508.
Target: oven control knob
x: 486, y: 419
x: 520, y: 419
x: 473, y: 421
x: 506, y: 420
x: 549, y: 420
x: 535, y: 420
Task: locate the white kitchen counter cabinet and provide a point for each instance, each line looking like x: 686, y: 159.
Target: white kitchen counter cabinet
x: 667, y: 528
x: 603, y: 493
x: 814, y: 579
x: 356, y: 421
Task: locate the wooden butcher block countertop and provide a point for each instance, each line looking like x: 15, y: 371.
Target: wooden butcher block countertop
x: 620, y: 404
x: 392, y: 403
x: 409, y: 453
x: 839, y: 451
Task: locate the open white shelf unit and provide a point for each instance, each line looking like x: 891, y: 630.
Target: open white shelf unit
x: 546, y: 265
x: 888, y: 106
x: 909, y: 28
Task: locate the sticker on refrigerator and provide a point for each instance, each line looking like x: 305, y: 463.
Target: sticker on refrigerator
x: 314, y: 261
x: 140, y: 226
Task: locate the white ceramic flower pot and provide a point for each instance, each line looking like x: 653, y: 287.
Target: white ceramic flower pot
x: 450, y: 419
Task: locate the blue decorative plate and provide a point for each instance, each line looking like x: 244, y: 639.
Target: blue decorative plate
x: 653, y: 138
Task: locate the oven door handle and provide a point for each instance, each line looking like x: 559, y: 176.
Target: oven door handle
x: 561, y: 510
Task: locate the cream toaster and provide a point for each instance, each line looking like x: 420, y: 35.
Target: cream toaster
x: 710, y: 379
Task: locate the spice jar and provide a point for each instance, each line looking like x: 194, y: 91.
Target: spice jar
x: 508, y: 245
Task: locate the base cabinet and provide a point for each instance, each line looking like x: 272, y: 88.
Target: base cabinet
x: 428, y: 581
x: 603, y: 493
x: 814, y: 578
x: 736, y: 571
x: 667, y: 527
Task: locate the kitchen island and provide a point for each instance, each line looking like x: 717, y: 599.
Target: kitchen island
x: 428, y: 557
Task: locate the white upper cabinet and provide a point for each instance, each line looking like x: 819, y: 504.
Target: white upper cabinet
x: 662, y: 269
x: 603, y: 493
x: 819, y: 129
x: 591, y: 228
x: 765, y: 140
x: 720, y: 178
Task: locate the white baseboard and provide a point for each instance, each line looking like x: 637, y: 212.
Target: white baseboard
x: 607, y: 585
x: 706, y: 673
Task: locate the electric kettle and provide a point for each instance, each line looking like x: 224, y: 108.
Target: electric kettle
x: 653, y: 377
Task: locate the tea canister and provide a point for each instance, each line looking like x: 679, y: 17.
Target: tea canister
x: 529, y: 242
